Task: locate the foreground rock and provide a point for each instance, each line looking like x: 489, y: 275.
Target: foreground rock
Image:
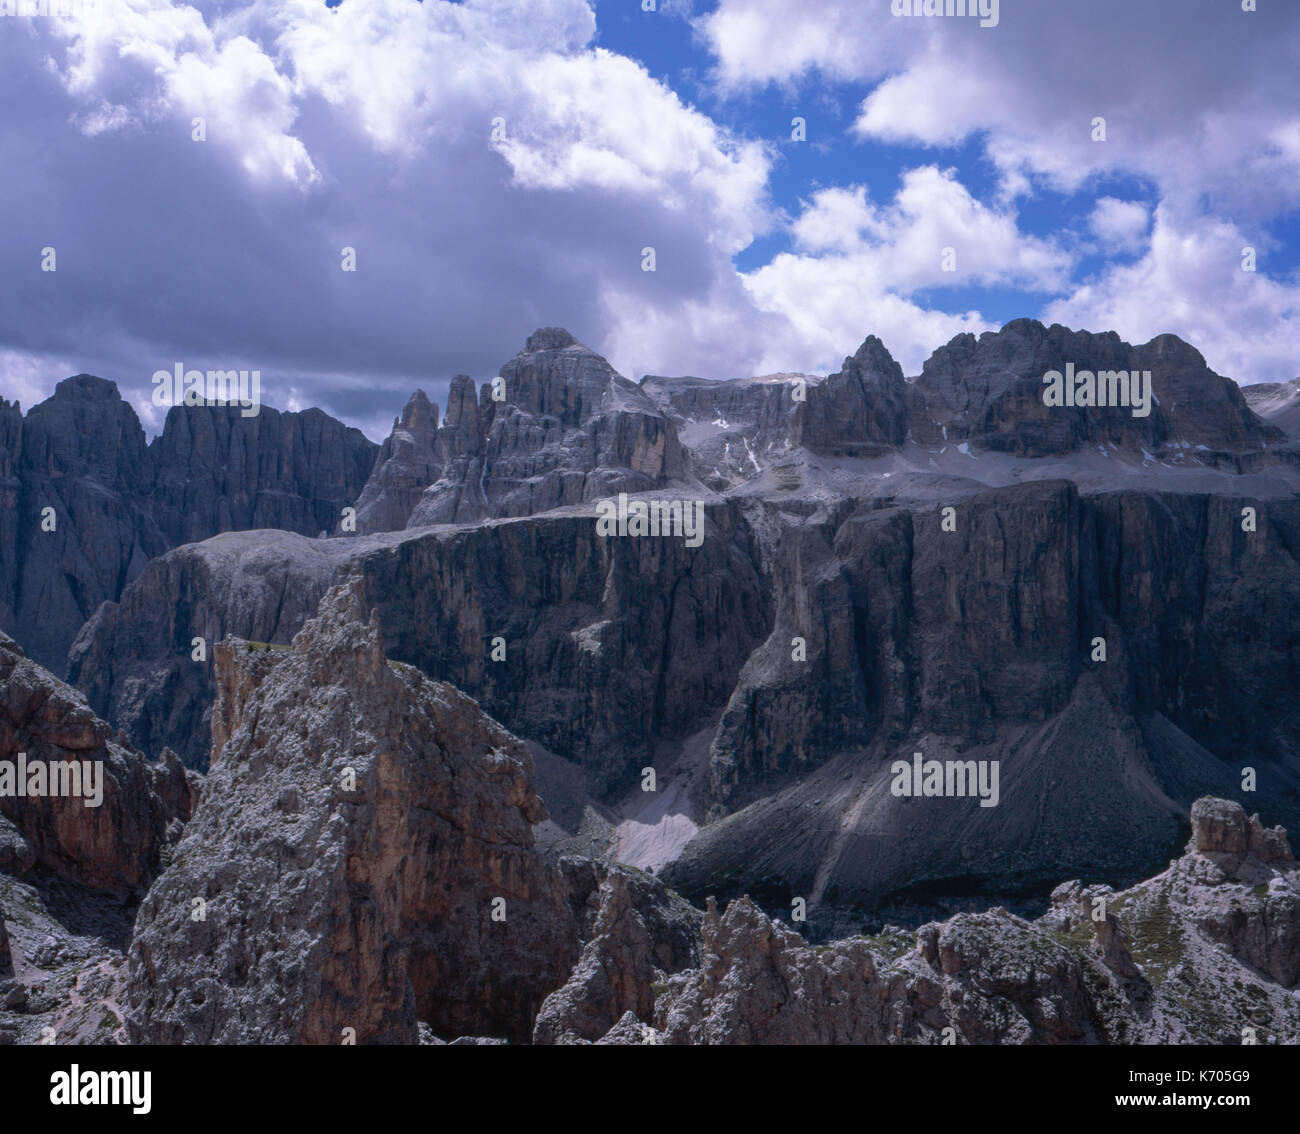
x: 639, y: 935
x: 1207, y: 952
x: 71, y: 875
x: 333, y: 904
x: 111, y: 833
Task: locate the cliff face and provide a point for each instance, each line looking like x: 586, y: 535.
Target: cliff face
x: 81, y: 454
x: 975, y: 643
x: 364, y: 855
x: 979, y: 644
x: 215, y: 470
x: 608, y: 644
x: 110, y: 834
x: 118, y: 503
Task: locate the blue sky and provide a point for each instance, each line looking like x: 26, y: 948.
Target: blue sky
x: 368, y: 125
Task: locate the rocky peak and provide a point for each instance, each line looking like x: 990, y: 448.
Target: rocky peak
x: 357, y: 832
x: 408, y: 462
x: 462, y: 404
x: 550, y: 338
x: 566, y: 427
x: 85, y: 428
x: 861, y: 410
x: 418, y: 413
x: 556, y: 376
x: 873, y: 362
x: 990, y: 390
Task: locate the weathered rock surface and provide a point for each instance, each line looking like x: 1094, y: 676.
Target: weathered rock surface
x: 113, y: 845
x: 406, y: 465
x: 568, y: 429
x: 71, y: 875
x: 1278, y: 403
x: 1194, y: 955
x: 64, y: 980
x: 330, y: 906
x: 639, y: 936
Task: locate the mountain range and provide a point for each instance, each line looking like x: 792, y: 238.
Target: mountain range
x: 1102, y: 605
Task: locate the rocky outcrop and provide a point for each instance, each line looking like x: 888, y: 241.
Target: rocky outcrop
x: 1227, y: 854
x: 639, y: 936
x: 406, y: 465
x: 990, y: 978
x: 1152, y: 964
x: 115, y: 812
x: 363, y: 854
x: 561, y: 427
x: 114, y: 503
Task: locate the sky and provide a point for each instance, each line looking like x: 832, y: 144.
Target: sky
x: 807, y: 173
